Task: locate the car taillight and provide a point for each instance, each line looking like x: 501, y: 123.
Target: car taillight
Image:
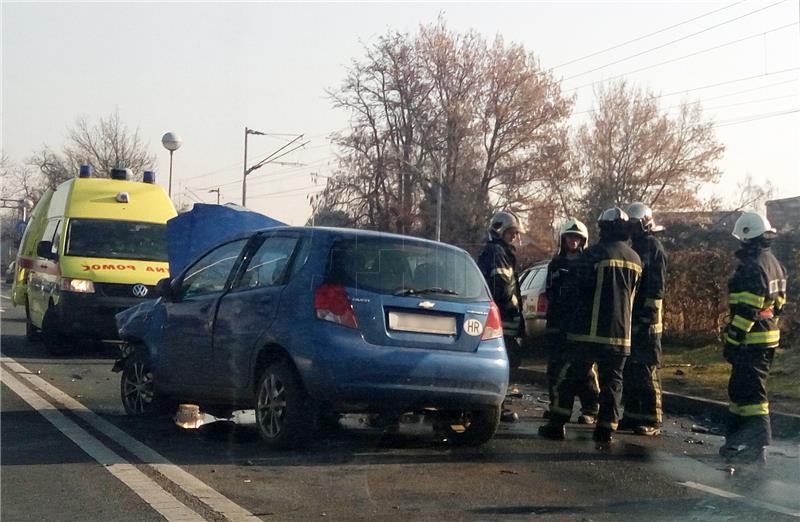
x: 541, y: 304
x: 332, y: 303
x: 494, y: 326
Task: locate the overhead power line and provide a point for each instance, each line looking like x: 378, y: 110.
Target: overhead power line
x: 732, y: 42
x: 617, y: 46
x: 626, y: 58
x: 308, y: 190
x: 755, y: 117
x: 728, y: 82
x: 728, y: 95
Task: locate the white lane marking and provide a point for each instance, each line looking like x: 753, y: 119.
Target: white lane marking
x: 5, y: 297
x: 735, y: 496
x: 189, y: 483
x: 149, y: 491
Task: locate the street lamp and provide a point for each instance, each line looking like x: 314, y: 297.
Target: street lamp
x: 171, y: 142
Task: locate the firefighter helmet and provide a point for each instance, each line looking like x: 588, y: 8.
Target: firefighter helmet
x: 614, y: 222
x: 751, y: 225
x: 613, y: 215
x: 503, y: 221
x: 575, y: 226
x: 643, y: 215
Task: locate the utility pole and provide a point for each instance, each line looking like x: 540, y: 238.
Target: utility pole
x: 279, y: 153
x: 217, y: 191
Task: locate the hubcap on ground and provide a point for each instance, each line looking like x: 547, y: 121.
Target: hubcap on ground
x: 271, y: 405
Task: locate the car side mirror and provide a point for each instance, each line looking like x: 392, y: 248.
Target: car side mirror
x: 164, y: 289
x: 44, y: 249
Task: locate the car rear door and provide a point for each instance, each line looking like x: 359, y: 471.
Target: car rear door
x: 186, y: 356
x: 248, y: 310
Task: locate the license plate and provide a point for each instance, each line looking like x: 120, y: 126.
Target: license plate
x: 422, y: 323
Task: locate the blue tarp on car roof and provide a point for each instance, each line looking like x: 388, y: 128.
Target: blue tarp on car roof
x: 192, y: 233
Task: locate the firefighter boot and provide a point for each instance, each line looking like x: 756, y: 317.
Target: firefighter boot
x: 553, y: 431
x: 602, y: 434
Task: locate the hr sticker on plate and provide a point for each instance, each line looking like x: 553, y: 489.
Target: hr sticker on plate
x: 473, y: 327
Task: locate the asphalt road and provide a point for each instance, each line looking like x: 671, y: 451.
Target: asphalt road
x: 69, y: 453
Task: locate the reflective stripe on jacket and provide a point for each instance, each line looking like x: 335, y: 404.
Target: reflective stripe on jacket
x: 609, y: 281
x: 757, y: 294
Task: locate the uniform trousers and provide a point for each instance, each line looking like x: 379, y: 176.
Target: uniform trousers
x: 571, y: 377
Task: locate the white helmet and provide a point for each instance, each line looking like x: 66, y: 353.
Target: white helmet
x: 644, y: 215
x: 751, y: 225
x: 575, y: 226
x: 503, y: 221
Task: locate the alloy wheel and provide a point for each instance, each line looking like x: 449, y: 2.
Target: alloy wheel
x: 137, y: 388
x: 271, y: 405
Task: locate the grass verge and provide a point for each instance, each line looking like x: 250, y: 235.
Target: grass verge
x: 703, y: 372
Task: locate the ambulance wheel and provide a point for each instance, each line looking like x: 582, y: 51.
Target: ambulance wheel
x: 31, y: 332
x: 55, y: 343
x: 469, y: 428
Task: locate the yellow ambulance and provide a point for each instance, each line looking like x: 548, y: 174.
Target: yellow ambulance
x: 92, y: 248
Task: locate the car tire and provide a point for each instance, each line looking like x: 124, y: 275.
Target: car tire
x: 284, y: 413
x: 136, y: 386
x: 55, y: 342
x: 477, y: 426
x: 31, y: 332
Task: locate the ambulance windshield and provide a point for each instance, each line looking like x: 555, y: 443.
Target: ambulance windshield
x: 105, y: 238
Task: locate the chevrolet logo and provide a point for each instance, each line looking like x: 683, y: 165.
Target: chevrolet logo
x: 426, y: 304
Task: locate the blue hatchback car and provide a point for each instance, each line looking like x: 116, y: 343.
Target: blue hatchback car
x: 300, y: 323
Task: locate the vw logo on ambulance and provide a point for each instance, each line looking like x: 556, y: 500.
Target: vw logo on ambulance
x: 139, y: 290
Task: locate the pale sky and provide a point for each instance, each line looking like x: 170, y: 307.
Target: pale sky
x: 207, y: 70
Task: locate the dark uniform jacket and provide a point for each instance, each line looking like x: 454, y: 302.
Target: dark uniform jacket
x: 498, y: 263
x: 609, y: 277
x: 648, y: 306
x: 562, y: 290
x: 757, y: 293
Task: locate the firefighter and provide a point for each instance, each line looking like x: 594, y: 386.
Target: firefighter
x: 641, y: 391
x: 599, y: 330
x: 757, y: 294
x: 498, y: 263
x: 562, y: 291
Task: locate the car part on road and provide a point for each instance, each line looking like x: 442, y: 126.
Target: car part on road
x: 587, y: 419
x: 647, y: 431
x: 553, y: 431
x: 284, y: 414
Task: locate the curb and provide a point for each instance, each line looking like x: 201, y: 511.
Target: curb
x: 784, y: 425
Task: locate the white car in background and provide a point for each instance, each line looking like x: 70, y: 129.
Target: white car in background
x: 534, y: 302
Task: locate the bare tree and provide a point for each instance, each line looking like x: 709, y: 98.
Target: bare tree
x: 486, y: 119
x: 631, y: 150
x: 104, y: 145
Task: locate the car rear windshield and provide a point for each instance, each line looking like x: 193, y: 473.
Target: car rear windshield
x: 395, y: 266
x: 117, y: 239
